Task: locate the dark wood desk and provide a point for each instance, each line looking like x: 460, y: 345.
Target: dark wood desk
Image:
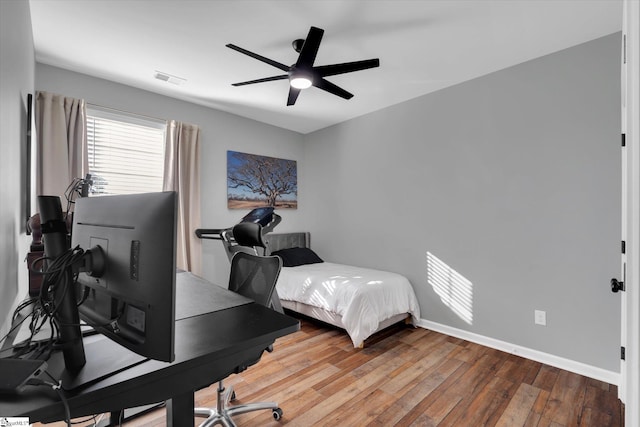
x: 208, y: 347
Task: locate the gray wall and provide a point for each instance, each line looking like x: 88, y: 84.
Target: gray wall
x: 511, y: 179
x: 220, y: 132
x: 17, y: 66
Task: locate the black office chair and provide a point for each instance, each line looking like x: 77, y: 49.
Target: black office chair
x: 255, y: 277
x: 249, y: 238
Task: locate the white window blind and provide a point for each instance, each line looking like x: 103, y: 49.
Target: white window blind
x: 126, y: 152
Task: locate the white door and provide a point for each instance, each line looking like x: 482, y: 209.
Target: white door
x: 629, y: 387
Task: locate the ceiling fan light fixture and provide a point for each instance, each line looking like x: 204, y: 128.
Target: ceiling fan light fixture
x: 300, y: 82
x: 304, y: 74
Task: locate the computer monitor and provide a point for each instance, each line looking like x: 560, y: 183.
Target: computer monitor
x: 262, y: 216
x: 133, y: 299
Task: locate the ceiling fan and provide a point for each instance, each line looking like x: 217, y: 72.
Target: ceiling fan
x: 303, y: 73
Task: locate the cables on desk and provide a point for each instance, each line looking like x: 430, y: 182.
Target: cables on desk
x: 77, y: 187
x: 58, y: 389
x: 55, y: 285
x: 43, y: 310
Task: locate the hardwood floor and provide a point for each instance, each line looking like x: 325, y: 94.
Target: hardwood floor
x: 408, y: 377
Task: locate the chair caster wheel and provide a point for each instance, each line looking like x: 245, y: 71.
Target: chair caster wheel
x: 277, y: 414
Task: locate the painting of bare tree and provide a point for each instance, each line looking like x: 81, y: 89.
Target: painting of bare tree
x: 255, y: 181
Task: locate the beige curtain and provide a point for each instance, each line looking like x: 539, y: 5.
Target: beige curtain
x: 61, y: 133
x: 182, y: 174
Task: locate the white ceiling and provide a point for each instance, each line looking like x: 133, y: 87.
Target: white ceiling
x: 423, y: 46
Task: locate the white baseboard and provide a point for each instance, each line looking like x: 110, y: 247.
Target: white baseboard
x: 580, y: 368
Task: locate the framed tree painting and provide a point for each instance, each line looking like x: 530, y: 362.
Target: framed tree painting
x: 255, y: 181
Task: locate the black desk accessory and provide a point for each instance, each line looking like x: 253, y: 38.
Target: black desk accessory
x: 16, y: 373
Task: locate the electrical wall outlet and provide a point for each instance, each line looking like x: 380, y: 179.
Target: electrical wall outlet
x: 540, y: 317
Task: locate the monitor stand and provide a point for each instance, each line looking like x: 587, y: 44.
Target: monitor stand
x: 104, y: 358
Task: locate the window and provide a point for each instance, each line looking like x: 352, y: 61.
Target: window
x: 126, y: 152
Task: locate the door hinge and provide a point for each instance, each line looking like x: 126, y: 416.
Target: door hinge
x: 622, y: 353
x: 623, y: 247
x: 624, y: 139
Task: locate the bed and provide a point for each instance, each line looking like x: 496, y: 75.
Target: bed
x: 361, y: 301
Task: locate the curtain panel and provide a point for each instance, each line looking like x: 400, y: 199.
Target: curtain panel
x: 182, y: 174
x: 61, y: 132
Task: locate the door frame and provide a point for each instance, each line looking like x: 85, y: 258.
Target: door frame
x: 629, y: 387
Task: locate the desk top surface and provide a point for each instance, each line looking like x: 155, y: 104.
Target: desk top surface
x: 210, y: 297
x: 215, y: 329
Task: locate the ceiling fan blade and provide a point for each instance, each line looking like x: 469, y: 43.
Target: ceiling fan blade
x: 293, y: 95
x: 266, y: 79
x: 310, y: 47
x: 331, y: 88
x: 346, y: 67
x: 259, y: 57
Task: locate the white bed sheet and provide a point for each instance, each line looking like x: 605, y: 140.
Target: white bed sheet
x: 363, y: 297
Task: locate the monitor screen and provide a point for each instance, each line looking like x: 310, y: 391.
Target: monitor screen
x: 133, y: 300
x: 260, y: 216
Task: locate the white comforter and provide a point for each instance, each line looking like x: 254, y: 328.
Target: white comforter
x: 363, y: 297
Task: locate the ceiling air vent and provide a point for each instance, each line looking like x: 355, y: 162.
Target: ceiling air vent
x: 169, y: 78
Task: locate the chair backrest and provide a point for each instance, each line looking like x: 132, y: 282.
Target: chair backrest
x: 254, y: 276
x: 248, y: 234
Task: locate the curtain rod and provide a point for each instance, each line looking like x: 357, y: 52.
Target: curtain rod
x: 101, y: 107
